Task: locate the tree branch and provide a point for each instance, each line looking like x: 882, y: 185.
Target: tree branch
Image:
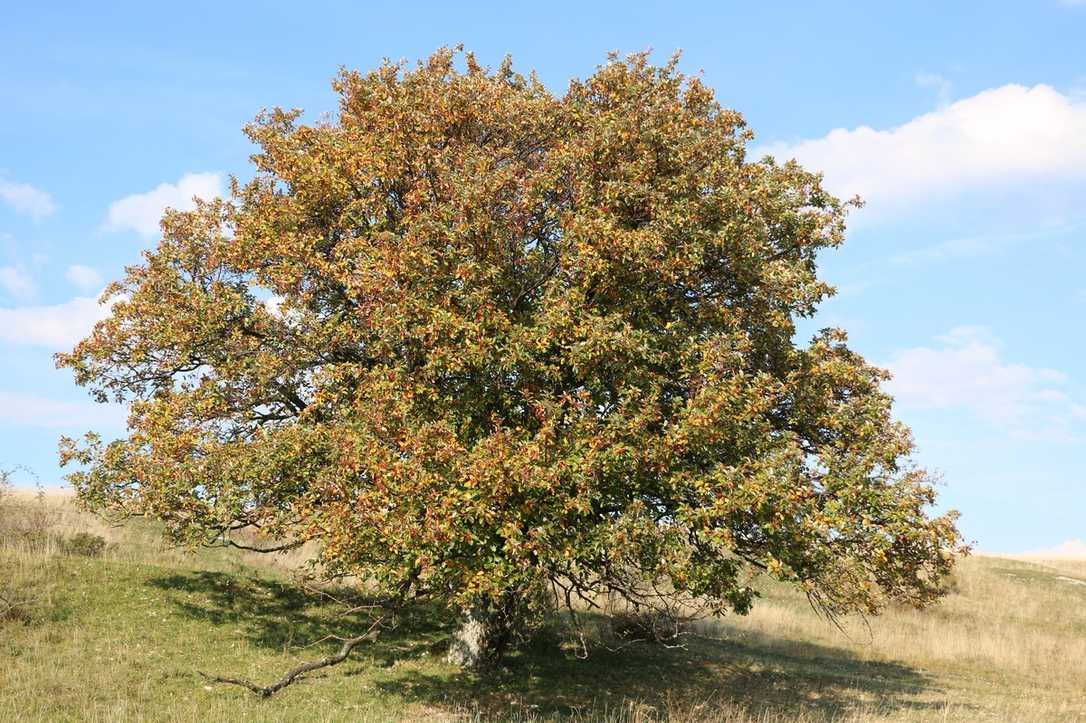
x: 349, y: 644
x: 277, y: 548
x: 266, y: 691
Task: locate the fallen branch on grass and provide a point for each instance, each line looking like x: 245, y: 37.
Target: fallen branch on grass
x: 266, y: 691
x: 377, y: 626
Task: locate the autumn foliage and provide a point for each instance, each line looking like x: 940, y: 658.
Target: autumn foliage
x: 505, y: 349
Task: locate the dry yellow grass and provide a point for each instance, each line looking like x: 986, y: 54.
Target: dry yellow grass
x: 1008, y: 644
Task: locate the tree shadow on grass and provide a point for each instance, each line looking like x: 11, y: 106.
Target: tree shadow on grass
x: 755, y: 674
x: 760, y: 674
x: 278, y: 615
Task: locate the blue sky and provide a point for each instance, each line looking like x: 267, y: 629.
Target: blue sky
x: 963, y: 124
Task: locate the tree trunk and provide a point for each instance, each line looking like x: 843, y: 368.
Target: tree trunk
x: 483, y: 636
x: 469, y: 644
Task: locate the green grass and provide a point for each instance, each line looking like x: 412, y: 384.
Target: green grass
x: 127, y: 639
x: 123, y: 638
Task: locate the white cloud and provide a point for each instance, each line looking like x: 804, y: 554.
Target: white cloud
x: 273, y: 304
x: 966, y: 372
x: 57, y: 327
x: 1004, y: 136
x: 1069, y: 550
x: 84, y: 277
x: 24, y: 198
x: 25, y: 410
x: 141, y: 212
x: 17, y: 282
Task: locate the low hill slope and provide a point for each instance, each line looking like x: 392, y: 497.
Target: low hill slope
x: 123, y: 636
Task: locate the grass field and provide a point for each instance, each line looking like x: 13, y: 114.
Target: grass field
x: 123, y: 636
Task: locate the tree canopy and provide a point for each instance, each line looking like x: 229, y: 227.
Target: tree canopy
x: 490, y: 345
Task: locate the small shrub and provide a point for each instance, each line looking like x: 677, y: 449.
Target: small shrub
x: 85, y: 544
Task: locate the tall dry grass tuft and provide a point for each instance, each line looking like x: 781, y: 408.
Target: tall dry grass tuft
x: 27, y: 590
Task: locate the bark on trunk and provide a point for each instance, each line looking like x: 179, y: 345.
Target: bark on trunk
x: 470, y: 643
x: 486, y: 631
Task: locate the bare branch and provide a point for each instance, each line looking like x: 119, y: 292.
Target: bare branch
x: 266, y: 691
x: 277, y: 548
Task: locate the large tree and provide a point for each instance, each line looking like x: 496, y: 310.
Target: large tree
x: 496, y: 347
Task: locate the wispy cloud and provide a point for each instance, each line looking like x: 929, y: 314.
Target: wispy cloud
x: 973, y: 246
x: 949, y: 249
x: 1008, y: 135
x: 27, y: 410
x: 141, y: 212
x: 16, y: 282
x: 942, y: 86
x: 84, y: 277
x: 966, y: 372
x: 56, y: 327
x: 26, y: 199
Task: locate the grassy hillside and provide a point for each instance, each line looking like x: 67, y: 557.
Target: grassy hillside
x: 122, y: 636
